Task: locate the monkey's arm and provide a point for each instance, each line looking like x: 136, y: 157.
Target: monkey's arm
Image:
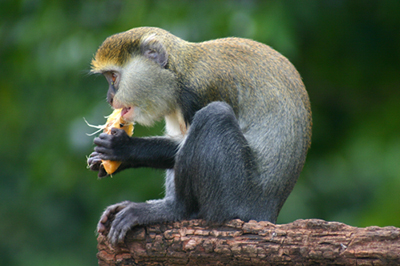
x: 155, y: 152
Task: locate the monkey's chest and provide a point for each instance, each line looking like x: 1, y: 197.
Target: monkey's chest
x: 175, y: 125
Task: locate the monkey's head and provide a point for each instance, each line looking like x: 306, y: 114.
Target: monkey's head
x: 134, y: 64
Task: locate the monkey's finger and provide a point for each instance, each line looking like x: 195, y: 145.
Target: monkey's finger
x: 102, y: 142
x: 117, y: 232
x: 112, y: 210
x: 108, y: 157
x: 104, y: 218
x: 93, y: 154
x: 93, y: 158
x: 103, y: 151
x: 102, y: 172
x: 94, y: 165
x: 124, y: 220
x: 100, y: 228
x: 104, y: 136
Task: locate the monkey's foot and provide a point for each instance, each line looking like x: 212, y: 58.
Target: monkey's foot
x: 116, y: 220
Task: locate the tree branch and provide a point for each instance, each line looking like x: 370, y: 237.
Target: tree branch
x: 303, y: 242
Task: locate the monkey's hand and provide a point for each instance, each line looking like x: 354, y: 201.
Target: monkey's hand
x: 116, y: 146
x: 117, y: 219
x: 95, y: 164
x: 107, y: 148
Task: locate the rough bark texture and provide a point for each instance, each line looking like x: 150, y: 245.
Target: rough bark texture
x: 303, y: 242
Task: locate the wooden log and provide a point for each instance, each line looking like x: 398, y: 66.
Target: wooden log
x: 302, y: 242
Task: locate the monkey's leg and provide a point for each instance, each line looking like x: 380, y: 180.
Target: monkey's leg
x: 215, y: 171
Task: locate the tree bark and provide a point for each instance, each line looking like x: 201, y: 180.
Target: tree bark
x: 303, y: 242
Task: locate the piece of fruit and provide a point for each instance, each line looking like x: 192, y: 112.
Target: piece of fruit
x: 115, y: 120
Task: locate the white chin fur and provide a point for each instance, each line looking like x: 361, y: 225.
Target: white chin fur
x: 141, y: 118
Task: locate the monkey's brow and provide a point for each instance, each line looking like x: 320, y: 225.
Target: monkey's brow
x: 105, y: 69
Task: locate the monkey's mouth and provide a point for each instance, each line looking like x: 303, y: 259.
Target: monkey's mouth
x: 127, y: 113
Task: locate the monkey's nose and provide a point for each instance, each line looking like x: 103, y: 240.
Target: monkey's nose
x: 110, y: 98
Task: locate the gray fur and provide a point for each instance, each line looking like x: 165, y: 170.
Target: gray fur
x: 238, y: 123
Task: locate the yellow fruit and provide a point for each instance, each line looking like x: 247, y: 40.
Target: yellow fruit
x: 115, y: 120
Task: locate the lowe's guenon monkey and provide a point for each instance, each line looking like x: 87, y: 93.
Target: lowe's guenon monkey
x: 238, y: 126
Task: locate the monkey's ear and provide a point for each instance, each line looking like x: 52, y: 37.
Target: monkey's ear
x: 154, y: 50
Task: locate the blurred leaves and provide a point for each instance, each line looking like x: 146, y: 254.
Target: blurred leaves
x: 347, y: 52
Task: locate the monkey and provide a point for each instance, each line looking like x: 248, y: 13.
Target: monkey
x: 237, y: 127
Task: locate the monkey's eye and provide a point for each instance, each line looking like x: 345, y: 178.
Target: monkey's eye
x: 113, y: 77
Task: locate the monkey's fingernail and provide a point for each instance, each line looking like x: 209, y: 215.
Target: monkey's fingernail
x: 101, y: 228
x: 104, y: 219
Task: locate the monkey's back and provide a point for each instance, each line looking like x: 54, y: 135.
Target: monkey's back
x: 250, y: 72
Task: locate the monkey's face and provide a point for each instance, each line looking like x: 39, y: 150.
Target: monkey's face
x: 134, y: 64
x: 145, y: 90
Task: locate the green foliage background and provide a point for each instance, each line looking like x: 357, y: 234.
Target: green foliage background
x: 347, y: 52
